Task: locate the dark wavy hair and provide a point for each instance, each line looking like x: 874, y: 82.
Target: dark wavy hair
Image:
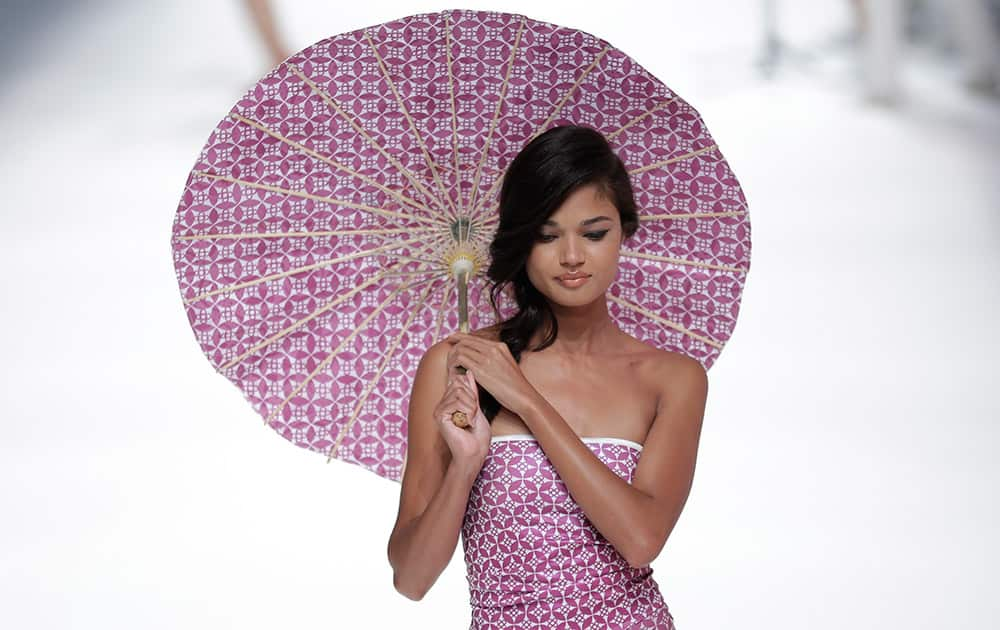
x: 542, y: 175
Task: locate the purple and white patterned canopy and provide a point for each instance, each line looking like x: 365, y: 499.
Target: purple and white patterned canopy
x: 316, y: 231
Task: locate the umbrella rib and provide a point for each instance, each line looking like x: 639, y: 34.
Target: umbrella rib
x: 679, y: 158
x: 447, y: 168
x: 680, y: 261
x: 478, y: 210
x: 666, y: 322
x: 434, y: 248
x: 569, y: 92
x: 415, y: 272
x: 385, y: 363
x: 333, y: 353
x: 290, y: 272
x: 491, y: 219
x: 482, y: 225
x: 690, y: 215
x: 319, y: 156
x: 411, y: 176
x: 481, y: 238
x: 423, y: 260
x: 316, y: 313
x: 613, y: 134
x: 330, y: 200
x: 555, y: 112
x: 454, y: 110
x: 496, y: 115
x: 239, y: 235
x: 413, y: 126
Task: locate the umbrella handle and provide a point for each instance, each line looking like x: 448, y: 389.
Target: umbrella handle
x: 459, y: 418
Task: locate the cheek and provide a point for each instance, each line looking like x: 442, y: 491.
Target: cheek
x: 531, y: 265
x: 531, y: 262
x: 537, y: 259
x: 609, y: 255
x: 540, y: 265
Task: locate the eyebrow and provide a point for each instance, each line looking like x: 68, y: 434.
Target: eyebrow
x: 585, y: 222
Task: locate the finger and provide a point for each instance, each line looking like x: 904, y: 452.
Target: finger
x: 471, y: 350
x: 453, y: 352
x: 467, y: 403
x: 461, y: 383
x: 459, y: 396
x: 458, y: 382
x: 459, y: 401
x: 461, y: 359
x: 480, y: 424
x: 458, y: 337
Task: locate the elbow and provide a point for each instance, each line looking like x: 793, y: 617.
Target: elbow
x: 637, y: 561
x: 406, y: 590
x: 644, y: 553
x: 401, y: 587
x: 409, y: 584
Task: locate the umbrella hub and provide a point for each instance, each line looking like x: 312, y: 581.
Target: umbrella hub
x: 462, y: 260
x: 462, y: 257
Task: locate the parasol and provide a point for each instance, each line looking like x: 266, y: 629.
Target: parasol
x: 343, y: 208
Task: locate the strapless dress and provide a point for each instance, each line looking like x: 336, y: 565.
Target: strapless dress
x: 533, y: 558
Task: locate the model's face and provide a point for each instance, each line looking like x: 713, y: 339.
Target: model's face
x: 583, y: 236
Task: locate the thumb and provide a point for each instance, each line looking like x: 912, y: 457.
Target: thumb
x: 475, y: 389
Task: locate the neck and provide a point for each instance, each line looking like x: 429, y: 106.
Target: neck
x: 583, y: 330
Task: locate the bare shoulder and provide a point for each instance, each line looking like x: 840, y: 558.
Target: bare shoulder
x: 672, y: 372
x: 680, y: 375
x: 678, y: 363
x: 435, y: 357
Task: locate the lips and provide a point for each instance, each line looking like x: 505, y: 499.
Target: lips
x: 572, y: 280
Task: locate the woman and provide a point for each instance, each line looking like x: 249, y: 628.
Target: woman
x: 560, y: 516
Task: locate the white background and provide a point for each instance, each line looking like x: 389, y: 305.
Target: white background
x: 847, y: 473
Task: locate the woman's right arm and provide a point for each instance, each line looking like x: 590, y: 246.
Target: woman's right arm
x: 435, y: 485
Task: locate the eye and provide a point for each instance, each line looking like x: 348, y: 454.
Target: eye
x: 594, y: 236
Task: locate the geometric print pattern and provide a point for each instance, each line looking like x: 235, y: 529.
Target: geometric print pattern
x: 315, y: 234
x: 533, y: 558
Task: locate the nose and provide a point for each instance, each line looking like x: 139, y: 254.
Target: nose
x: 571, y: 254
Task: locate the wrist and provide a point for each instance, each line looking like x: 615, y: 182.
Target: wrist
x: 529, y: 408
x: 466, y: 470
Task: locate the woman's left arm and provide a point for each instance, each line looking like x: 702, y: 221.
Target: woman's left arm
x: 638, y: 518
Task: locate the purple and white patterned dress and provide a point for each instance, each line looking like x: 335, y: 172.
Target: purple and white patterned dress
x: 533, y: 558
